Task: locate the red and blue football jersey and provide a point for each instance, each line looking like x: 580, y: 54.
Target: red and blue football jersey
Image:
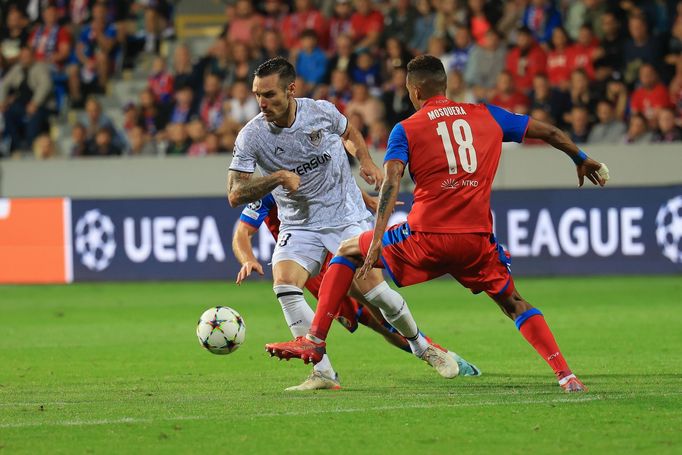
x: 453, y: 151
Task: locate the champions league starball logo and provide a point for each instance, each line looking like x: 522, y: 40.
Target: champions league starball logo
x: 95, y: 242
x: 669, y: 229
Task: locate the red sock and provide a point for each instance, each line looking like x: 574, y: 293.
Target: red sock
x: 535, y: 330
x: 334, y: 288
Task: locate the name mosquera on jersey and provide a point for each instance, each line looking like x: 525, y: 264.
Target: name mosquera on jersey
x: 446, y: 111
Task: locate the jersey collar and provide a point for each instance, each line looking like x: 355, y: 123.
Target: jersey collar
x: 434, y: 100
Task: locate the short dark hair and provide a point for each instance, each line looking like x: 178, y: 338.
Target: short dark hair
x: 279, y: 66
x: 427, y: 72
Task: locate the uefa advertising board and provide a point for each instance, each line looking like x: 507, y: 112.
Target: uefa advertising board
x: 548, y: 232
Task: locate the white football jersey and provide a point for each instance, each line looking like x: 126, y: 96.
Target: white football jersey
x: 312, y: 148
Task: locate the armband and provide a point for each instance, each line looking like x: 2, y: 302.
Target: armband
x: 580, y: 159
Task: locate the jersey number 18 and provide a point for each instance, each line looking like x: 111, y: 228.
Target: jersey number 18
x: 461, y: 131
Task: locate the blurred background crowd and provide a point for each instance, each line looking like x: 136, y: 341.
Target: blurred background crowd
x: 102, y: 78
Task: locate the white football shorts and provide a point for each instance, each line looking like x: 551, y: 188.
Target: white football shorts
x: 310, y: 248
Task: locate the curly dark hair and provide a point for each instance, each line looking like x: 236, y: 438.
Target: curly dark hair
x: 427, y: 73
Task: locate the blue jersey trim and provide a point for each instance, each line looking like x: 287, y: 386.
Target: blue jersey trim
x: 397, y: 148
x: 523, y: 317
x: 513, y: 126
x: 261, y: 207
x: 343, y: 261
x: 390, y: 272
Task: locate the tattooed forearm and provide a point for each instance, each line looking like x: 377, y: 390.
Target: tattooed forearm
x: 385, y: 197
x: 243, y: 188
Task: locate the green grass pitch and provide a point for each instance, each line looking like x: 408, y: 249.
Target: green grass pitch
x: 117, y: 368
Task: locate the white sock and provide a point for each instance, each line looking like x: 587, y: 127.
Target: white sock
x: 297, y: 312
x: 395, y: 310
x: 299, y: 316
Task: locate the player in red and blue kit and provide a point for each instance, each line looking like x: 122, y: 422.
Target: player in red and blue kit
x: 453, y: 151
x: 350, y: 312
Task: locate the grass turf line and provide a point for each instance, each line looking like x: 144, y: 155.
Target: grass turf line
x: 116, y: 368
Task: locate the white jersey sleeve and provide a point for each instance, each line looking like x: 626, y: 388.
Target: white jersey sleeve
x: 244, y: 156
x: 338, y: 121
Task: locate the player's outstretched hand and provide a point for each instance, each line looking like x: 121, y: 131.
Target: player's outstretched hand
x: 372, y: 257
x: 290, y: 181
x: 595, y: 172
x: 246, y: 270
x: 371, y: 174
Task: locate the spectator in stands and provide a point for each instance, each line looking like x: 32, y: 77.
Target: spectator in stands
x: 579, y: 92
x: 638, y: 131
x: 438, y: 48
x: 485, y: 64
x: 344, y: 57
x: 340, y: 90
x: 541, y: 18
x: 131, y: 117
x: 79, y: 140
x: 242, y: 62
x: 25, y: 95
x: 367, y: 71
x: 479, y: 19
x: 397, y: 56
x: 275, y: 12
x: 218, y: 60
x: 103, y: 144
x: 377, y: 137
x: 667, y: 131
x: 585, y: 12
x: 583, y: 52
x: 139, y: 143
x: 545, y: 97
x: 458, y: 90
x: 239, y: 27
x: 51, y: 42
x: 423, y: 27
x: 369, y: 107
x: 612, y: 41
x: 311, y: 61
x: 507, y: 96
x: 304, y: 17
x: 340, y: 24
x: 13, y: 36
x: 78, y: 12
x: 558, y: 64
x: 367, y: 24
x: 525, y: 60
x: 609, y: 129
x: 161, y: 81
x: 650, y: 96
x: 94, y: 51
x: 211, y: 105
x: 151, y: 117
x: 242, y: 104
x: 272, y: 46
x: 157, y: 23
x: 617, y: 94
x: 182, y: 110
x: 184, y: 74
x: 400, y: 21
x: 44, y: 147
x: 94, y: 119
x: 580, y: 125
x: 178, y: 140
x: 459, y: 55
x: 674, y: 54
x: 396, y: 100
x: 197, y: 135
x: 640, y: 48
x: 676, y: 93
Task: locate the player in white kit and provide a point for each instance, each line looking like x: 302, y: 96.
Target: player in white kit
x: 297, y: 145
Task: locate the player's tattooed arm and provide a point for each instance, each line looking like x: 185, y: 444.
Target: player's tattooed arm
x: 243, y: 187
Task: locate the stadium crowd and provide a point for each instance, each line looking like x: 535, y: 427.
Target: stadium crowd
x: 605, y: 71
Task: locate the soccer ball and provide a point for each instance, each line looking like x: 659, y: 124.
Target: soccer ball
x: 221, y: 330
x: 669, y: 229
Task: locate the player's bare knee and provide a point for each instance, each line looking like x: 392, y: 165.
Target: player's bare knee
x: 349, y: 248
